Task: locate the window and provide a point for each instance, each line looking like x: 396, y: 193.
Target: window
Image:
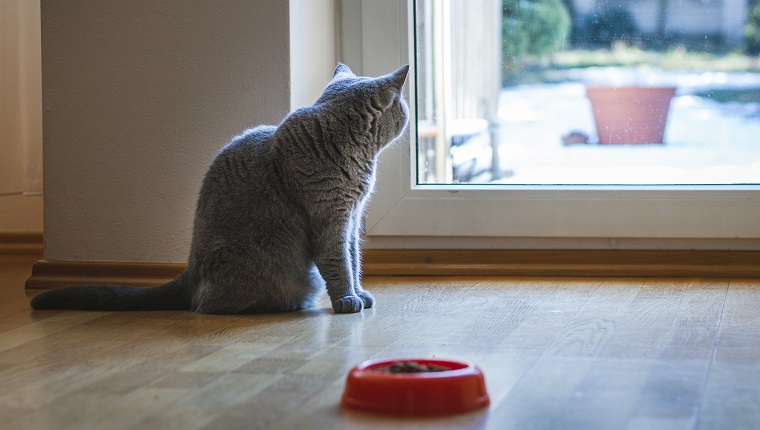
x: 586, y: 92
x: 407, y: 212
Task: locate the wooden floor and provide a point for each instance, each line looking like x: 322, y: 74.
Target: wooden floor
x: 569, y: 353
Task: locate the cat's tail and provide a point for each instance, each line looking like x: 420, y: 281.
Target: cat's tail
x: 173, y: 295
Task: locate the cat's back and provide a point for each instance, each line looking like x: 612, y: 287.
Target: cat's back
x: 252, y: 140
x: 240, y: 165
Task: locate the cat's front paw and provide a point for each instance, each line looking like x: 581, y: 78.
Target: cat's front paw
x: 347, y: 304
x: 367, y: 298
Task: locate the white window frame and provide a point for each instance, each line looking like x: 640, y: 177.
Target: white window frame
x: 375, y: 39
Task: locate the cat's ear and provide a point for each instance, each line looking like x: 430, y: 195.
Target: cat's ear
x: 342, y: 69
x: 391, y: 85
x: 397, y: 78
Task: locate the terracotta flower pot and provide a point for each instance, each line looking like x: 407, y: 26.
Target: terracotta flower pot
x: 630, y: 115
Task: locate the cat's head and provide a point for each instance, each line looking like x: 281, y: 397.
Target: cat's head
x: 381, y: 97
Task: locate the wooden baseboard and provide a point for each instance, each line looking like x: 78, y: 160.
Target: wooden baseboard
x: 745, y: 264
x: 56, y: 274
x: 21, y: 243
x: 563, y: 263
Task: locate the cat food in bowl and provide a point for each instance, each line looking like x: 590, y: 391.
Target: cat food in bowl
x: 415, y: 387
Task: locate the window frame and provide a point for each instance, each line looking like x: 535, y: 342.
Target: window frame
x: 402, y: 213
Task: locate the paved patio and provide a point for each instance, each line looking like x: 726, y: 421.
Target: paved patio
x: 706, y: 142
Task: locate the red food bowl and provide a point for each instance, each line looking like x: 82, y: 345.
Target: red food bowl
x: 371, y: 387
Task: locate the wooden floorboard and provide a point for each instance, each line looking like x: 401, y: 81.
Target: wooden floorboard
x: 575, y: 353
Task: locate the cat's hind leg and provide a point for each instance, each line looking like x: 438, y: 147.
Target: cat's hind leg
x: 206, y: 301
x: 212, y: 298
x: 285, y: 287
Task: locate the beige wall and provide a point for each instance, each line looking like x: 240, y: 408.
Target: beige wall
x: 20, y: 214
x: 20, y: 117
x: 20, y: 98
x: 138, y: 96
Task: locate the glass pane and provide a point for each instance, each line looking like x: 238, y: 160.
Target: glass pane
x: 588, y: 91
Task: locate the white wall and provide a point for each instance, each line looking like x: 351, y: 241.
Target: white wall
x: 313, y: 49
x: 138, y: 96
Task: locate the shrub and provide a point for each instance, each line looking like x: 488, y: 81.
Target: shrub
x: 532, y: 28
x: 752, y: 29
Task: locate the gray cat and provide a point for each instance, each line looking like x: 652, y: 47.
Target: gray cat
x: 280, y: 212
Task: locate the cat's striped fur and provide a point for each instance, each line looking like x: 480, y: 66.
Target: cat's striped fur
x: 280, y: 212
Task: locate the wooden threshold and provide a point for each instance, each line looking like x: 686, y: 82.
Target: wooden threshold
x: 744, y: 264
x: 21, y: 243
